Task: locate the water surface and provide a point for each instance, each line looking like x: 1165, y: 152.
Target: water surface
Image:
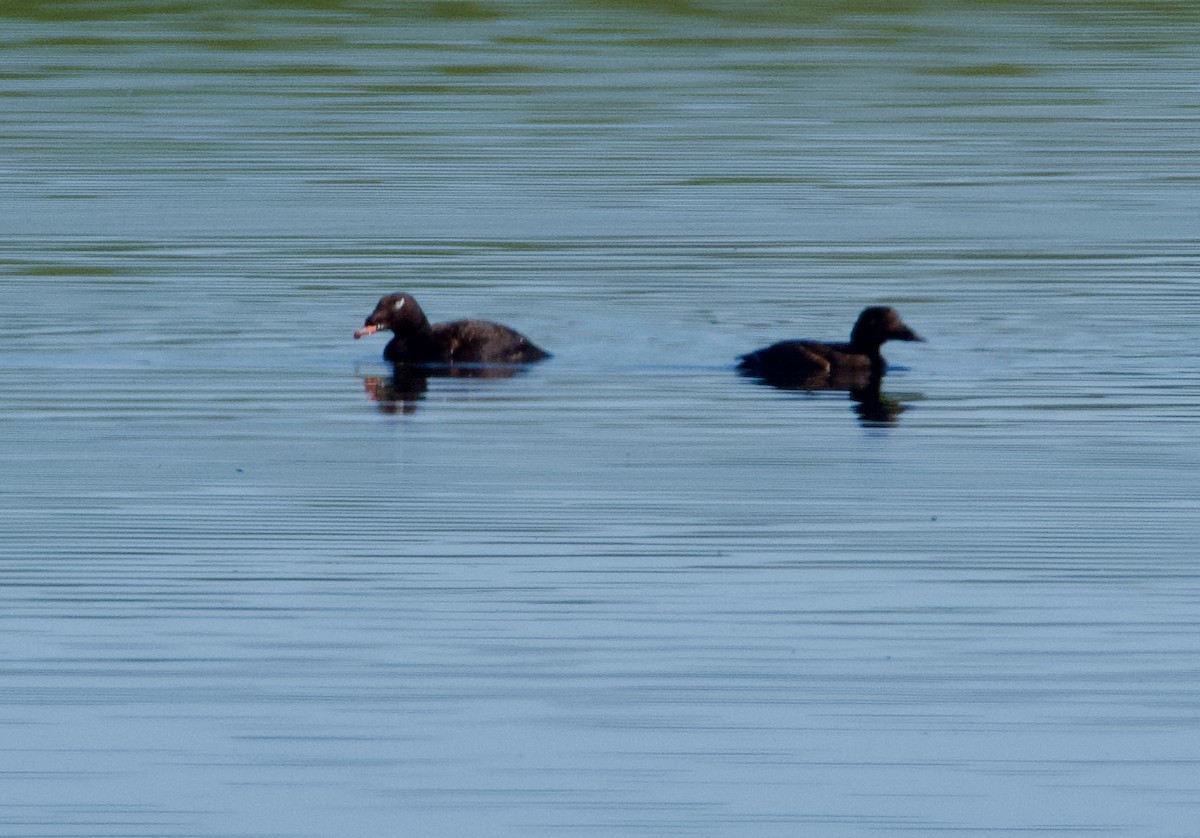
x: 626, y: 592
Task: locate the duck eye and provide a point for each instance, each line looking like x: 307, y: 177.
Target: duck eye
x: 399, y: 305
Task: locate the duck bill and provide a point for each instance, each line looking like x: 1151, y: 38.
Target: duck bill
x: 909, y: 334
x: 366, y: 330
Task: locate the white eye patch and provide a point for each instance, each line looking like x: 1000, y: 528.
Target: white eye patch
x: 399, y: 305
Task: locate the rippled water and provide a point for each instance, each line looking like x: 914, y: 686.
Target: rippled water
x: 625, y: 592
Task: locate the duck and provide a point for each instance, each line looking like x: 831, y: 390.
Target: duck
x: 416, y: 341
x: 815, y: 365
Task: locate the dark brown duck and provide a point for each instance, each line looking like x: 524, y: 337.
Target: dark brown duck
x: 832, y: 365
x: 416, y: 341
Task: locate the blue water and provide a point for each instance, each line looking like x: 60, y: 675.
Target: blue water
x: 626, y: 592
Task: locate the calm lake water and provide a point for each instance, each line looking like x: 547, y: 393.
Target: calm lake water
x: 625, y: 592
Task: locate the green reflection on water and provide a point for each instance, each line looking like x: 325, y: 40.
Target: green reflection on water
x: 1001, y: 70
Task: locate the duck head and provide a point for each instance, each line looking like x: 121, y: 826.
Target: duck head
x: 397, y: 312
x: 876, y: 326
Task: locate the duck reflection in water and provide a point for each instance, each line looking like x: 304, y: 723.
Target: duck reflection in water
x: 401, y: 392
x: 856, y: 366
x: 419, y: 351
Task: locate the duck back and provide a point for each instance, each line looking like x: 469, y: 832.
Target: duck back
x: 482, y: 342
